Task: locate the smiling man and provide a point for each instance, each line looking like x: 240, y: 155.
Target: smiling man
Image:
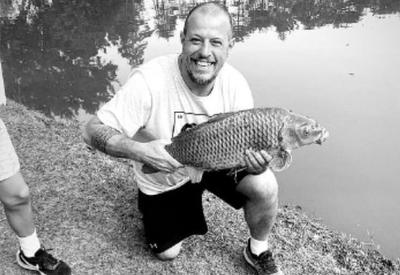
x: 206, y: 40
x: 169, y: 94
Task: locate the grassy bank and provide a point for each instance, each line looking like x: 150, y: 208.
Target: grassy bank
x: 86, y: 210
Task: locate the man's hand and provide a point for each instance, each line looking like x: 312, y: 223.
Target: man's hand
x: 155, y: 158
x: 257, y: 162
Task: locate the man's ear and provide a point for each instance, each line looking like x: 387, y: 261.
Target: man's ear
x: 182, y: 37
x: 231, y: 43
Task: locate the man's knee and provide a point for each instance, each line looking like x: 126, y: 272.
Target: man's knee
x: 19, y: 198
x: 23, y: 195
x: 260, y: 187
x: 16, y: 192
x: 171, y: 253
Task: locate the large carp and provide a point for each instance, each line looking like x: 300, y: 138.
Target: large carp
x: 221, y: 142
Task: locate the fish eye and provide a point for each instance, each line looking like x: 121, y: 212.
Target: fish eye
x: 306, y: 132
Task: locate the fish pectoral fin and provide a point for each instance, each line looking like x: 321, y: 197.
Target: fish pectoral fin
x: 281, y: 161
x: 195, y: 174
x: 234, y: 171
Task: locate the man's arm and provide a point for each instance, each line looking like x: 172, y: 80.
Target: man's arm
x: 114, y: 143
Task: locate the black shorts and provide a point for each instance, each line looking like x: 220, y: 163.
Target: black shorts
x: 175, y: 215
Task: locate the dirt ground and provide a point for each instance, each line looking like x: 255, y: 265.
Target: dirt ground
x: 85, y: 209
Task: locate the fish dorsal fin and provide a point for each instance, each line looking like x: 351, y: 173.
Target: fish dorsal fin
x: 281, y: 161
x: 219, y: 117
x: 212, y: 119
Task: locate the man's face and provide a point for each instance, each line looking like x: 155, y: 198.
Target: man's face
x: 205, y: 47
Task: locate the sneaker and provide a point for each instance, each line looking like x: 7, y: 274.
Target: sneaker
x: 44, y: 263
x: 264, y: 264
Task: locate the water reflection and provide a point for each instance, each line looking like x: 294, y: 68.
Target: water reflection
x: 49, y: 51
x: 50, y: 48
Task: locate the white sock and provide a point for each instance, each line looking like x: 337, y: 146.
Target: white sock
x: 29, y: 244
x: 257, y: 247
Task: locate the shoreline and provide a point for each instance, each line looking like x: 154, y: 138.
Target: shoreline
x: 85, y: 207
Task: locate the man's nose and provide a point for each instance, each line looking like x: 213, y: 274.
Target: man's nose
x: 205, y: 49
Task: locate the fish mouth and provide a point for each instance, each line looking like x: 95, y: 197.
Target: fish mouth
x: 324, y: 136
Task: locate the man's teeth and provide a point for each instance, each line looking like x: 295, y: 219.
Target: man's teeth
x: 203, y: 63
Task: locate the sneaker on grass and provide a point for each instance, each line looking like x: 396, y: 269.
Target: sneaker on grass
x: 264, y: 264
x: 44, y: 263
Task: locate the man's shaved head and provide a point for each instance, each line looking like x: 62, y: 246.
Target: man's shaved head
x: 212, y: 8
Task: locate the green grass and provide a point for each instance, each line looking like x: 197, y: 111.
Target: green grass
x: 85, y: 208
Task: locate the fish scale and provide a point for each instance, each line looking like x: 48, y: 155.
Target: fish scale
x: 221, y: 142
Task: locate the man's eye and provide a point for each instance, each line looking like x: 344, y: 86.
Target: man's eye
x: 217, y: 43
x: 195, y: 40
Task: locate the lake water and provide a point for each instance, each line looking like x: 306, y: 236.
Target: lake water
x: 336, y: 61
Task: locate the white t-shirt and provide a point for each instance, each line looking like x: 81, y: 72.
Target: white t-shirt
x: 155, y: 103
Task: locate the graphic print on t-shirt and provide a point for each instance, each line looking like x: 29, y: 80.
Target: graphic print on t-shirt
x: 184, y: 121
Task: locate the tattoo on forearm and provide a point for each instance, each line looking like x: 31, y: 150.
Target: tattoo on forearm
x: 101, y: 136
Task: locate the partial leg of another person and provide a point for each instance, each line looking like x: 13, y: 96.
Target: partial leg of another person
x: 14, y: 195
